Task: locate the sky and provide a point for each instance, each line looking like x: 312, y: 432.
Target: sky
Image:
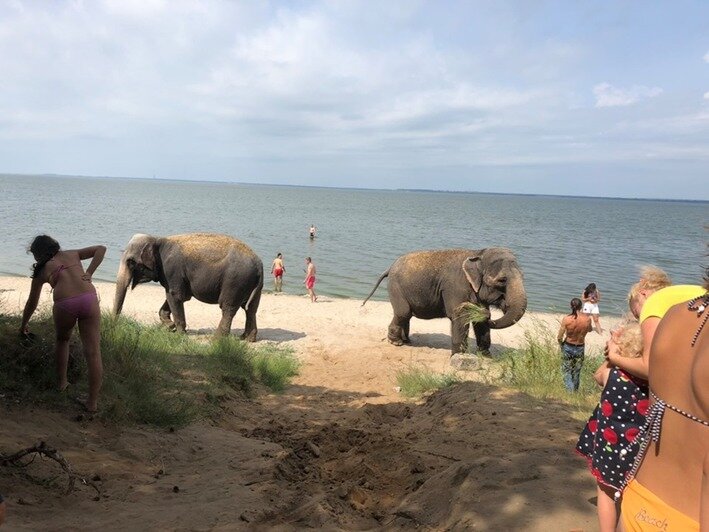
x: 596, y: 98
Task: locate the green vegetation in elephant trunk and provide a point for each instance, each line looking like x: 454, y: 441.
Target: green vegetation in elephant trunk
x: 434, y: 284
x: 212, y: 268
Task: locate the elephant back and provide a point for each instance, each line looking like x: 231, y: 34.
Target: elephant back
x: 209, y: 246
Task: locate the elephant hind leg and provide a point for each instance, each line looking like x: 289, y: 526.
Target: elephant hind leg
x: 399, y: 330
x: 405, y: 330
x: 250, y: 329
x: 224, y: 327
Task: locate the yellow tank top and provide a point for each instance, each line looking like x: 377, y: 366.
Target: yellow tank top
x: 662, y: 300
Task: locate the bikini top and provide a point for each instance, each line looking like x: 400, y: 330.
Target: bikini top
x: 54, y: 276
x: 650, y: 432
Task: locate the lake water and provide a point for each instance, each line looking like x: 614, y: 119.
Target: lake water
x: 562, y: 243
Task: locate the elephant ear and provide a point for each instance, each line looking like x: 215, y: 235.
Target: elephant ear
x: 147, y: 256
x: 473, y: 272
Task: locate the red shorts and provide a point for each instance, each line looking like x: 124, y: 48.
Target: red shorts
x: 278, y: 272
x: 309, y: 282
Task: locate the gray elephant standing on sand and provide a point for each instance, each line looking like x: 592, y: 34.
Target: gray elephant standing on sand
x: 433, y: 284
x: 212, y: 268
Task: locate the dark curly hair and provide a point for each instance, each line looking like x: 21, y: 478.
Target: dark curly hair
x: 43, y: 247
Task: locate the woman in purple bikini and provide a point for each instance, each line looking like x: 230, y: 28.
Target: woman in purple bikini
x: 75, y: 300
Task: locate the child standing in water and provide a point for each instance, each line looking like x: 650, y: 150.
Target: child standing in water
x: 590, y: 297
x: 606, y: 440
x: 75, y: 301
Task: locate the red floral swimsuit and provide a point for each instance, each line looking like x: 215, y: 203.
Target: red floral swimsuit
x: 615, y: 423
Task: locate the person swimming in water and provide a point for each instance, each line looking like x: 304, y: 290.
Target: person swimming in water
x: 312, y: 231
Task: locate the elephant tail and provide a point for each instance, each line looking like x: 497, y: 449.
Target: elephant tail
x: 256, y: 290
x: 251, y: 297
x: 381, y: 278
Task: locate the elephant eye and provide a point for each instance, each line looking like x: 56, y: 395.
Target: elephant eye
x: 130, y: 262
x: 502, y: 281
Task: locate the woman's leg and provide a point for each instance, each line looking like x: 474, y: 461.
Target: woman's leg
x: 90, y: 330
x: 607, y: 509
x: 597, y: 321
x: 63, y: 325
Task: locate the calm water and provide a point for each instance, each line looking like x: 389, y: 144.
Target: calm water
x: 561, y: 243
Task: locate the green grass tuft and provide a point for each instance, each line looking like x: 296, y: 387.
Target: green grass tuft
x: 416, y: 381
x: 535, y: 368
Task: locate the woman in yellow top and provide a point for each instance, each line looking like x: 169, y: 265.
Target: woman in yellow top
x: 670, y: 490
x: 649, y: 299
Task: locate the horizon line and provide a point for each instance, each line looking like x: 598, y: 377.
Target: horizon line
x: 413, y: 190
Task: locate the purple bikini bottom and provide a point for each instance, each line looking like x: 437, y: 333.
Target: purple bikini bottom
x: 79, y: 307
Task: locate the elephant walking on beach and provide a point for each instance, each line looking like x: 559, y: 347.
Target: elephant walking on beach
x: 433, y: 284
x: 213, y: 268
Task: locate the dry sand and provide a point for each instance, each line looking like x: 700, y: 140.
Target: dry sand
x: 340, y: 449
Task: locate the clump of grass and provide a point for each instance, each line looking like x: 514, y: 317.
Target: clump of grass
x: 535, y: 368
x: 472, y: 313
x: 274, y: 368
x: 27, y: 368
x: 416, y: 381
x: 142, y: 374
x: 151, y: 375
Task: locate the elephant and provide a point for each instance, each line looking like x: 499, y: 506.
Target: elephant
x: 433, y: 284
x: 211, y: 267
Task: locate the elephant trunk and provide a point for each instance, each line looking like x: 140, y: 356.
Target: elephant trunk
x: 516, y: 304
x: 122, y: 281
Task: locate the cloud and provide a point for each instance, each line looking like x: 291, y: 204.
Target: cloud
x: 706, y: 57
x: 706, y: 95
x: 609, y: 96
x: 261, y: 90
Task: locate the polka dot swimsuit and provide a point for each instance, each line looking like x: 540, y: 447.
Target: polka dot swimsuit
x: 606, y: 439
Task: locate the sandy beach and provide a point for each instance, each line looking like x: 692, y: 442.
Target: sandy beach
x: 340, y: 449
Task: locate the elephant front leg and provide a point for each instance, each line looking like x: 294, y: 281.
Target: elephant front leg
x: 177, y: 307
x: 164, y: 314
x: 459, y: 336
x: 224, y: 327
x: 482, y: 337
x: 397, y: 328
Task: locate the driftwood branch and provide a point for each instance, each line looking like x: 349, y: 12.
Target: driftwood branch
x: 25, y: 457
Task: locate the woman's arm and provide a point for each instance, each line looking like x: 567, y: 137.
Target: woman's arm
x: 96, y: 253
x: 601, y: 374
x: 31, y: 305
